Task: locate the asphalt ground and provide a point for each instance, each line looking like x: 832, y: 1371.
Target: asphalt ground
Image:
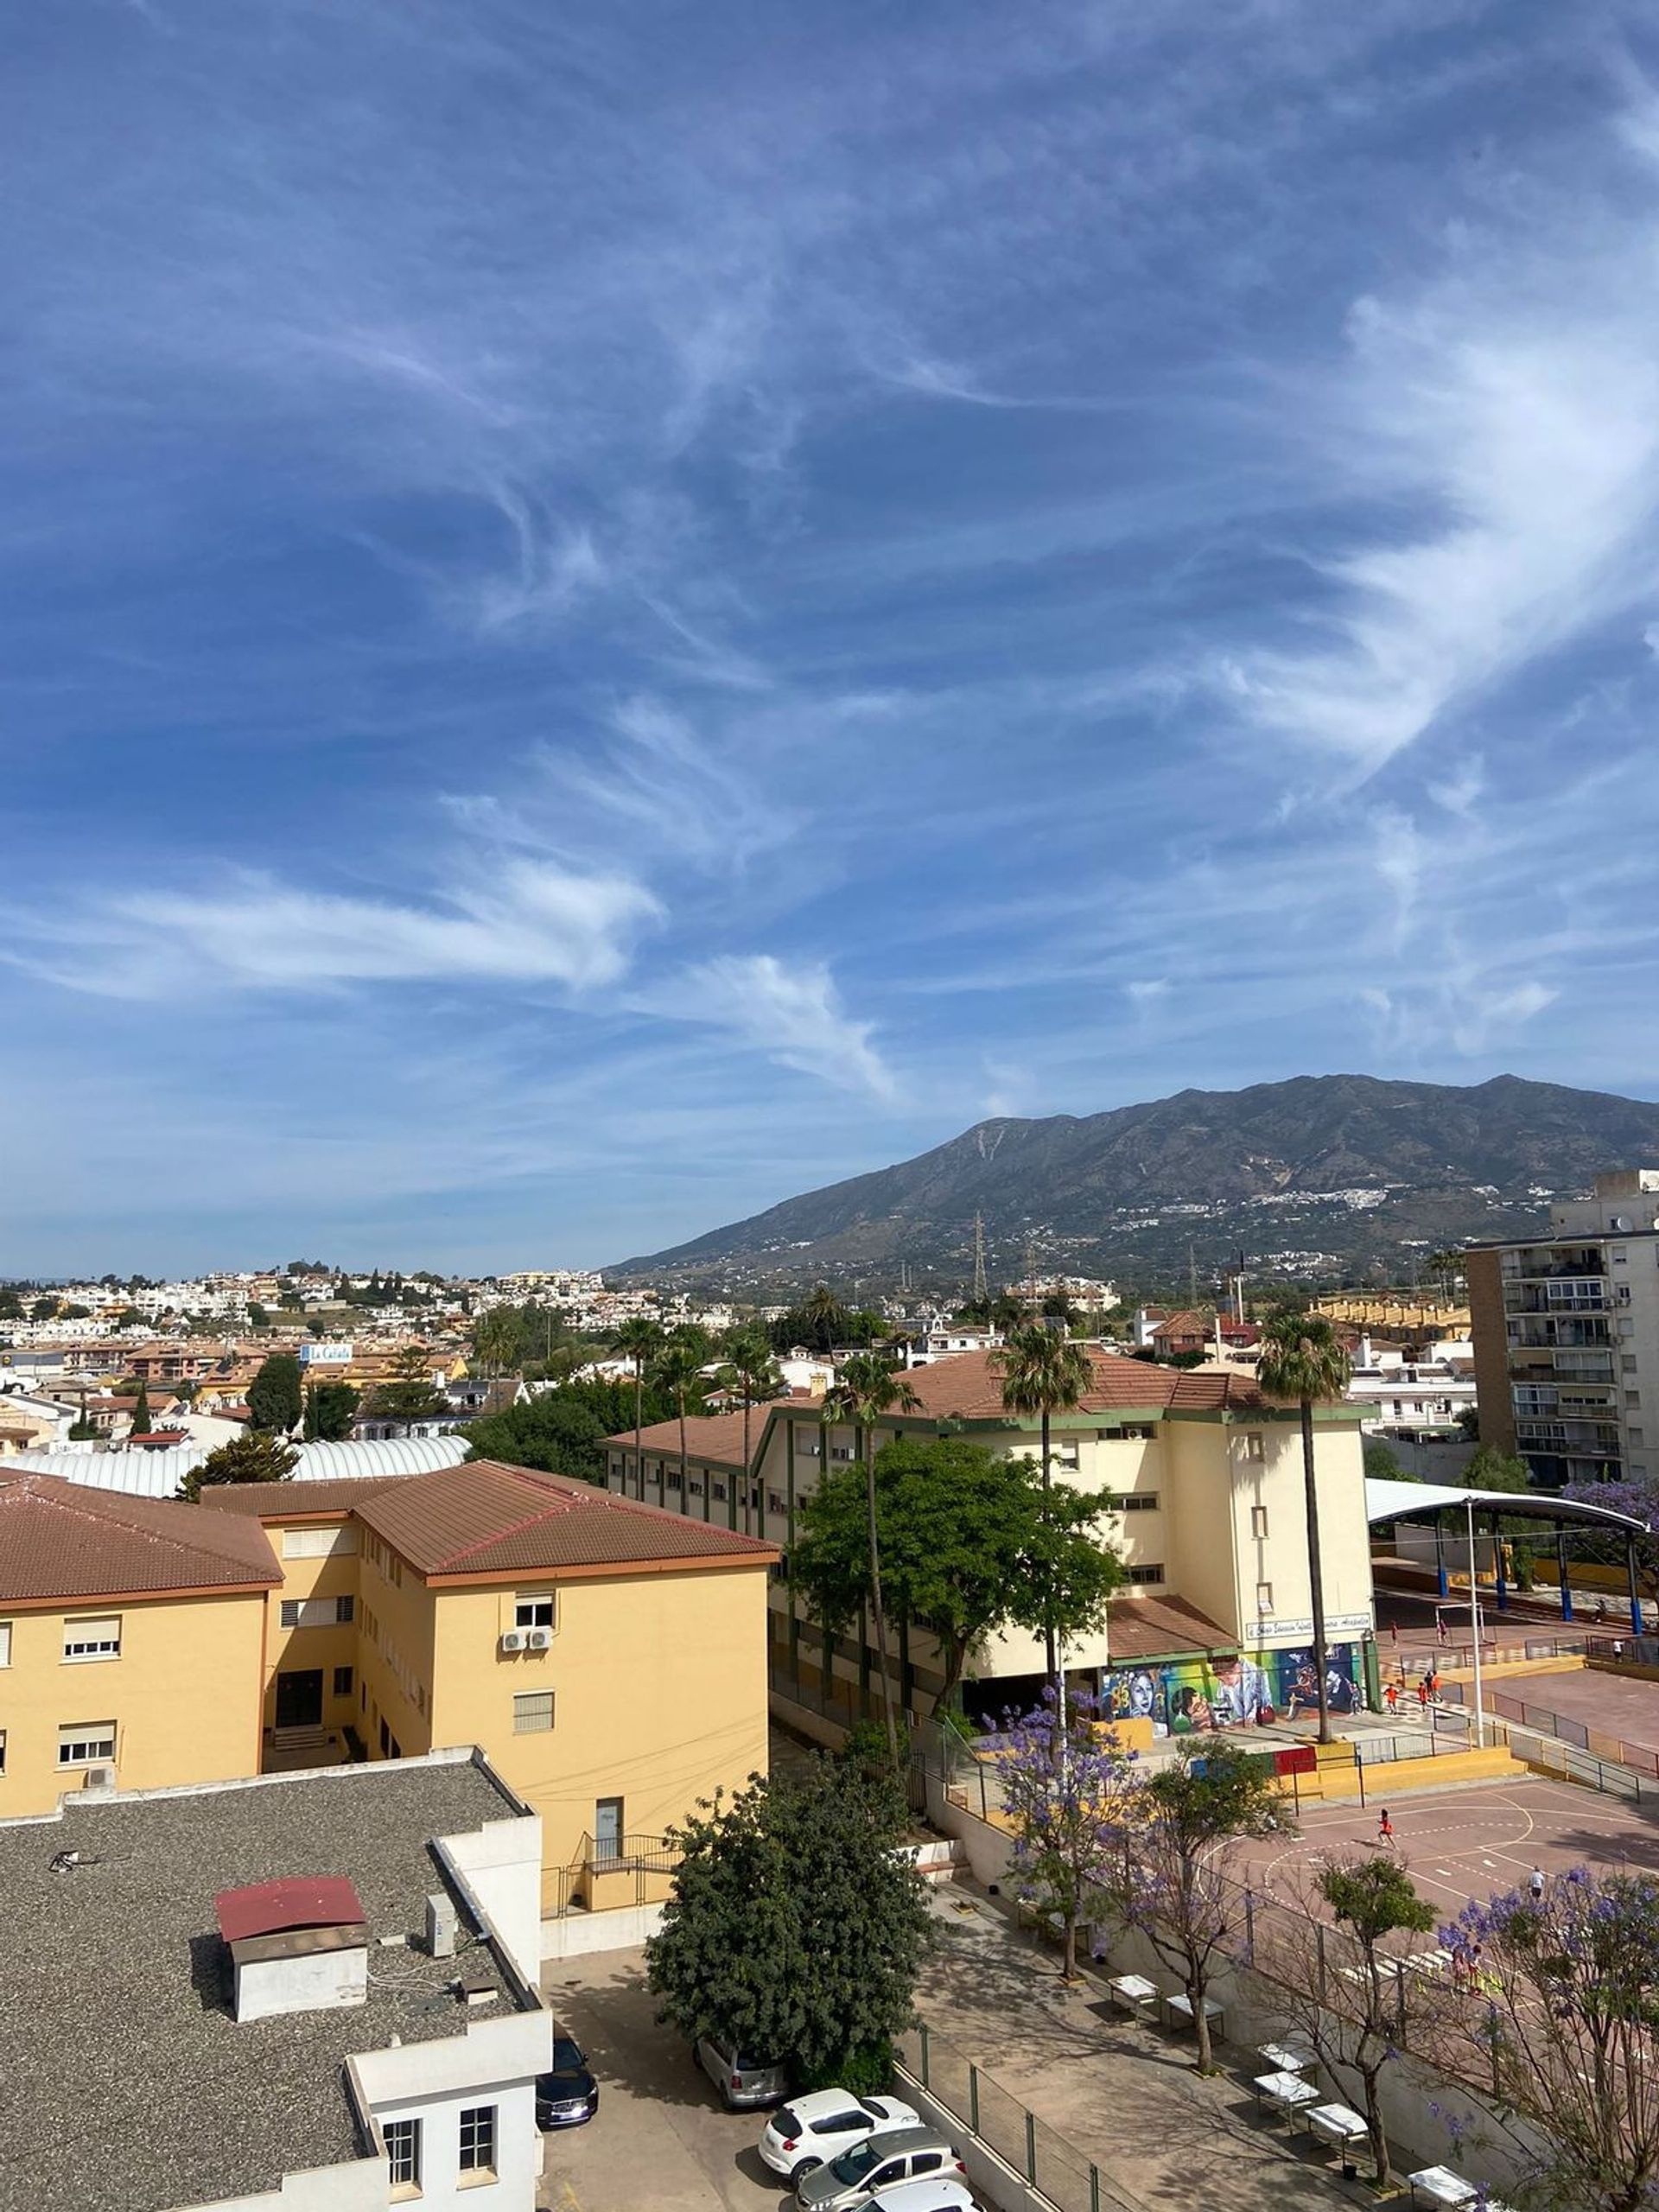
x: 1468, y: 1842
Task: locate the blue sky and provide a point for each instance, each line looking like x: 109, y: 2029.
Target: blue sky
x: 613, y: 613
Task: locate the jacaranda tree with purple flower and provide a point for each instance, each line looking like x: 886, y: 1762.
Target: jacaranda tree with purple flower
x: 1640, y: 1499
x: 1068, y: 1791
x: 1564, y: 2021
x: 1172, y: 1887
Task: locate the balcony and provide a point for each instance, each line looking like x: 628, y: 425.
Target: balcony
x: 1533, y: 1434
x: 633, y: 1870
x: 1586, y: 1295
x: 1573, y: 1332
x: 1553, y: 1263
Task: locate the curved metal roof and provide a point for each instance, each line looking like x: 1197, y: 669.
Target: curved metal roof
x: 158, y: 1474
x: 1392, y: 1501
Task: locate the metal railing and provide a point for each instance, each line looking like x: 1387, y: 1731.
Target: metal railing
x: 1070, y: 2179
x: 1602, y: 1747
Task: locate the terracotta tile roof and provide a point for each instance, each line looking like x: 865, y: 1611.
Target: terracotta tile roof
x: 281, y: 1501
x: 1152, y: 1628
x: 65, y: 1539
x: 484, y: 1518
x: 716, y: 1438
x: 968, y: 1386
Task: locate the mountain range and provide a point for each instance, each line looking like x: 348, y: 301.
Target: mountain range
x: 1320, y: 1177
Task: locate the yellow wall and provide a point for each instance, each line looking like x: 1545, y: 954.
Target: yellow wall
x: 298, y: 1649
x: 659, y: 1684
x: 184, y: 1695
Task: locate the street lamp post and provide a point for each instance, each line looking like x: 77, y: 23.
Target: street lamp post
x: 1474, y: 1623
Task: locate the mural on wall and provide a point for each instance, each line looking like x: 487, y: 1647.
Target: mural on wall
x: 1188, y: 1696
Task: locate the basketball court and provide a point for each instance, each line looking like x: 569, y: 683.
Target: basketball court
x: 1463, y: 1843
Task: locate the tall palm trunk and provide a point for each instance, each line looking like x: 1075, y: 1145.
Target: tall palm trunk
x: 1315, y: 1568
x: 878, y: 1609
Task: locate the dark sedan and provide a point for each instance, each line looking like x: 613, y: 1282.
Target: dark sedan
x: 568, y: 2094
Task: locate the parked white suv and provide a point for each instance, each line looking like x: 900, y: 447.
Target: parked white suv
x: 813, y: 2129
x: 941, y: 2193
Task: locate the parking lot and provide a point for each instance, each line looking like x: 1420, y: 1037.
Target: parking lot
x: 661, y: 2137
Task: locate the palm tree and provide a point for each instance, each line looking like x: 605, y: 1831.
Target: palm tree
x: 680, y: 1370
x: 1302, y: 1358
x: 867, y: 1387
x: 750, y: 1369
x: 825, y: 1317
x: 639, y: 1341
x: 1045, y: 1372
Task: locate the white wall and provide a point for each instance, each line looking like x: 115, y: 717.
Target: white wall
x: 495, y: 2062
x: 500, y: 1865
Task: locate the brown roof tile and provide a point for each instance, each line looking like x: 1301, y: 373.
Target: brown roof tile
x: 286, y: 1501
x: 715, y: 1439
x: 1153, y: 1628
x: 60, y: 1539
x: 968, y: 1386
x: 484, y: 1518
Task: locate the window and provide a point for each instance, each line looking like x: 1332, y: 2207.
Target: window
x: 92, y: 1639
x: 342, y: 1682
x: 1636, y: 1436
x: 1133, y: 1501
x: 808, y: 1446
x: 85, y: 1743
x: 532, y: 1712
x: 317, y: 1544
x: 1632, y: 1398
x: 2, y: 1750
x: 1151, y: 1573
x: 534, y: 1610
x: 478, y: 2138
x: 776, y: 1503
x: 1264, y: 1600
x: 1258, y: 1520
x: 717, y: 1491
x: 841, y: 1451
x: 403, y: 2152
x: 316, y: 1613
x: 694, y: 1488
x: 1627, y: 1362
x: 5, y: 1643
x: 673, y: 1478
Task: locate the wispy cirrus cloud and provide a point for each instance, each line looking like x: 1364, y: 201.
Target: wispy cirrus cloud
x: 791, y: 1012
x: 530, y: 923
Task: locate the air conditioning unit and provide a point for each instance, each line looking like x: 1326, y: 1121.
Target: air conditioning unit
x: 100, y: 1777
x: 515, y: 1639
x: 540, y: 1639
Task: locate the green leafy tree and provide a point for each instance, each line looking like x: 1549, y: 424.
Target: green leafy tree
x: 1172, y: 1884
x: 256, y: 1457
x: 823, y: 1323
x: 1302, y: 1358
x: 330, y: 1408
x: 274, y: 1400
x: 1351, y: 2014
x: 11, y: 1306
x: 795, y: 1929
x: 639, y: 1339
x: 142, y: 1423
x: 500, y: 1340
x: 259, y: 1316
x: 1382, y: 1463
x: 1491, y: 1469
x: 409, y: 1393
x: 70, y: 1311
x: 83, y: 1430
x: 1044, y: 1373
x: 866, y: 1388
x: 565, y: 1430
x: 970, y: 1543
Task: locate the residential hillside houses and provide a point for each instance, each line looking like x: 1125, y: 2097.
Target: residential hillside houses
x: 1207, y: 1508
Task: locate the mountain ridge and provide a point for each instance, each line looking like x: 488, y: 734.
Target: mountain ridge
x: 1343, y: 1170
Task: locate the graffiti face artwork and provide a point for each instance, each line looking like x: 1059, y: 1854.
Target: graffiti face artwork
x: 1185, y: 1697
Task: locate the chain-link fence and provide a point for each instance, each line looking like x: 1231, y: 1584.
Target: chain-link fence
x: 1020, y: 2137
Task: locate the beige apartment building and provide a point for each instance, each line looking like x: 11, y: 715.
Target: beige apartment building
x: 609, y: 1659
x: 1567, y: 1335
x: 1206, y: 1480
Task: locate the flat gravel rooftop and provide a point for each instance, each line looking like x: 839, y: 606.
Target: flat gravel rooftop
x: 126, y: 2083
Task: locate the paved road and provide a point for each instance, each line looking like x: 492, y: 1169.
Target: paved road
x: 661, y: 2138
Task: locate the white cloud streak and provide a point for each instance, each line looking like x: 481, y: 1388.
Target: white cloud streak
x: 531, y: 923
x: 790, y: 1011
